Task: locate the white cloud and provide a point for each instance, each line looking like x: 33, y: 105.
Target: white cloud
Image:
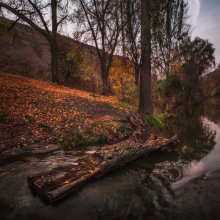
x: 194, y: 10
x: 208, y: 27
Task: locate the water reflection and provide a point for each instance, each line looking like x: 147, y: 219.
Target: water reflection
x: 208, y: 164
x: 197, y: 138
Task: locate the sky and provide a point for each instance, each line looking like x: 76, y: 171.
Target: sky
x: 204, y: 17
x: 205, y: 21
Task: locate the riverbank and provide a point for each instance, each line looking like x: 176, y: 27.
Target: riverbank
x: 37, y: 112
x: 150, y: 187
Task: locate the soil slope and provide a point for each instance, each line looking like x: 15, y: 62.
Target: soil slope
x: 33, y: 111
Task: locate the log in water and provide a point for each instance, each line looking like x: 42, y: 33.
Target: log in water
x: 61, y: 181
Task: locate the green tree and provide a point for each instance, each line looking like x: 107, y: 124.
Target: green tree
x: 197, y: 59
x: 183, y: 85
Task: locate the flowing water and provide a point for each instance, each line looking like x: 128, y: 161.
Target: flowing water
x: 180, y: 185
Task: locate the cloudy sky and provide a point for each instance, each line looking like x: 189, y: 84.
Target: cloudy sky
x: 205, y: 20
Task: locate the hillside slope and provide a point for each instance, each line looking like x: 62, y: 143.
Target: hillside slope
x: 26, y: 52
x: 33, y: 111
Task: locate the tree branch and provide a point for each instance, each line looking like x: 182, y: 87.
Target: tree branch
x: 25, y: 19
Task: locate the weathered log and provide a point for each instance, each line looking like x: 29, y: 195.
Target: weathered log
x: 140, y: 133
x: 59, y: 182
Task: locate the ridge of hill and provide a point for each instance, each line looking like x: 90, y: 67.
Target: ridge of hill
x: 26, y: 52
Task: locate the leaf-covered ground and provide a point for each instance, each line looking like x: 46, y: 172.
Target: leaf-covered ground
x: 33, y: 111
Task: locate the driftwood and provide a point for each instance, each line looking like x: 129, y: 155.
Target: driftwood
x: 61, y: 181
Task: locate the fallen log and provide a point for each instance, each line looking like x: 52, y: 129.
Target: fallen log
x: 61, y: 181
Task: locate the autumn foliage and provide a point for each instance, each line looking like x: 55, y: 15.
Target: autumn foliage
x: 122, y: 80
x: 34, y: 111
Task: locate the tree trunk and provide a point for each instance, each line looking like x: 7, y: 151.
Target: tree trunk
x: 145, y: 98
x: 53, y: 43
x: 106, y: 84
x: 106, y: 88
x: 54, y: 65
x: 137, y: 73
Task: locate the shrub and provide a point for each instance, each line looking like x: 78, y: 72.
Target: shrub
x: 154, y: 122
x: 95, y: 134
x: 169, y: 86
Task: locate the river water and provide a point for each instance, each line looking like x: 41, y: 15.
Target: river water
x: 179, y: 185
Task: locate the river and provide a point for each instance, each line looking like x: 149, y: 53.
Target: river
x: 181, y: 185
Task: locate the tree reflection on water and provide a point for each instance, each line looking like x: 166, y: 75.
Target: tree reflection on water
x: 196, y: 137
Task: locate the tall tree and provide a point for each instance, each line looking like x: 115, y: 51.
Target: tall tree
x: 169, y: 29
x: 132, y: 30
x: 99, y: 22
x: 145, y: 98
x: 197, y: 59
x: 44, y: 17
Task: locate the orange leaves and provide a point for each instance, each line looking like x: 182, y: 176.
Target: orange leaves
x: 38, y: 111
x: 91, y: 171
x: 152, y: 137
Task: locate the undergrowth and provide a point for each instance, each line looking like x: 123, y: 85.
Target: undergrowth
x: 155, y: 122
x: 95, y: 134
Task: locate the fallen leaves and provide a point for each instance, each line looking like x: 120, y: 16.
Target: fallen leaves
x: 35, y: 111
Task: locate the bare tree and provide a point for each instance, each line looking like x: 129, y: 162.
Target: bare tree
x: 169, y: 28
x: 99, y: 22
x: 45, y: 17
x: 132, y: 32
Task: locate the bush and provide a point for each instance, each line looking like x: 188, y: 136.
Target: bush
x: 70, y: 59
x: 95, y: 134
x: 122, y: 80
x: 170, y: 86
x: 154, y: 122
